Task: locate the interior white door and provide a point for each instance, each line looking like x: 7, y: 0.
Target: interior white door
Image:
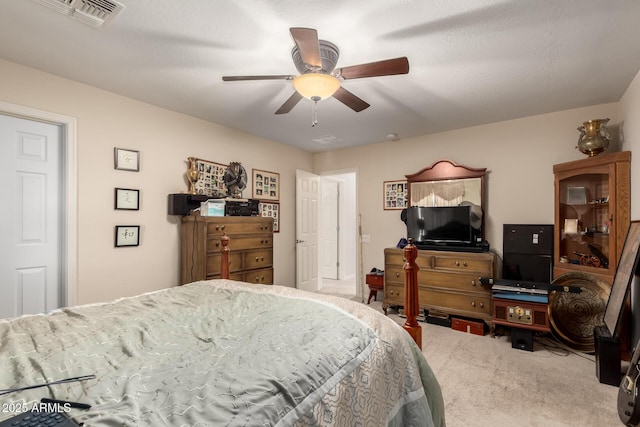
x: 30, y: 223
x: 330, y: 229
x: 307, y: 194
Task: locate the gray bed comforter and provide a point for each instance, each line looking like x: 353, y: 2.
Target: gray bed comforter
x: 222, y: 353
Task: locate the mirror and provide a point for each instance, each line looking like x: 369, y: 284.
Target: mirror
x: 446, y: 183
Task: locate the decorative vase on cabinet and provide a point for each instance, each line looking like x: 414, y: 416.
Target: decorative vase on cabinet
x: 592, y: 214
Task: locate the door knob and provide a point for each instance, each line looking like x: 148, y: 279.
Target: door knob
x: 299, y: 241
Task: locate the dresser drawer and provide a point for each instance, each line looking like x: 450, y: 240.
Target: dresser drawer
x: 454, y: 302
x: 395, y: 257
x: 462, y: 263
x: 394, y: 294
x: 457, y: 281
x: 263, y: 276
x: 393, y: 274
x: 240, y: 243
x: 257, y: 259
x: 213, y: 263
x: 232, y: 226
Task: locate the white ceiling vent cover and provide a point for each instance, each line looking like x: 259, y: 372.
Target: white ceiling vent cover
x: 97, y: 13
x: 327, y: 140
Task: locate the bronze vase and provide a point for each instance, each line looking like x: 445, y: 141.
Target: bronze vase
x: 594, y: 137
x: 192, y: 175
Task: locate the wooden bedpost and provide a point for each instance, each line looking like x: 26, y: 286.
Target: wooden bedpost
x: 224, y: 258
x: 411, y: 303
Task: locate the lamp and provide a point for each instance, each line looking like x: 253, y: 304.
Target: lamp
x: 316, y: 86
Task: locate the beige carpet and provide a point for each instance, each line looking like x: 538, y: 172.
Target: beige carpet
x: 486, y: 382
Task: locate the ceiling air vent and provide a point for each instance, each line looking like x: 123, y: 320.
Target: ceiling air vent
x: 96, y: 13
x: 327, y: 140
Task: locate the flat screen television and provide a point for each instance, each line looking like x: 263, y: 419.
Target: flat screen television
x: 441, y: 225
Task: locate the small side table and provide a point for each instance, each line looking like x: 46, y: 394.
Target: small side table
x: 375, y: 283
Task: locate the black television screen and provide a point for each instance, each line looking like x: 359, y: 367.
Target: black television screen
x: 441, y: 224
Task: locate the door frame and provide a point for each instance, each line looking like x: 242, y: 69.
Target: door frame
x: 70, y: 190
x: 359, y: 273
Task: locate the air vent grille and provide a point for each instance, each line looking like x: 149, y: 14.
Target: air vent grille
x: 96, y: 13
x: 327, y: 140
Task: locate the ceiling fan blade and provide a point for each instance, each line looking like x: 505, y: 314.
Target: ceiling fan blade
x: 387, y: 67
x: 350, y: 100
x: 307, y: 41
x: 289, y: 103
x: 242, y: 78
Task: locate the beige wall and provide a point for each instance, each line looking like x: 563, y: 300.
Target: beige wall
x: 165, y: 139
x: 519, y: 156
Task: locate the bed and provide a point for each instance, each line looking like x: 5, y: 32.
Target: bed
x: 221, y: 353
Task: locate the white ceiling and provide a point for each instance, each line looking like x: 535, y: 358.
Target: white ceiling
x: 471, y: 62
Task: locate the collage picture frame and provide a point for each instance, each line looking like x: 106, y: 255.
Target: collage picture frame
x: 266, y: 185
x: 210, y: 178
x: 394, y: 194
x: 271, y: 210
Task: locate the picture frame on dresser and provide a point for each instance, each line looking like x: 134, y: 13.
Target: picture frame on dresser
x: 127, y: 199
x: 126, y: 159
x: 266, y: 185
x: 127, y: 235
x: 394, y: 195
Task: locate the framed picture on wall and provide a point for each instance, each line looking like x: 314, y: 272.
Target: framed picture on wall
x: 127, y: 199
x: 127, y: 235
x: 271, y: 210
x: 126, y: 160
x: 266, y: 185
x: 210, y: 178
x: 394, y: 195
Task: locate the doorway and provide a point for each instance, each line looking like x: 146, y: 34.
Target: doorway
x: 46, y: 215
x: 339, y: 240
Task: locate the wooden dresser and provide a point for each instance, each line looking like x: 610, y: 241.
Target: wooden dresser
x: 448, y: 282
x: 251, y: 244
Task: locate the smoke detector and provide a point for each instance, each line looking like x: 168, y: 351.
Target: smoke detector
x: 96, y: 13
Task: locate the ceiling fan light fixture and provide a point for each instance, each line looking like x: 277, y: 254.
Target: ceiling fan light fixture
x: 314, y: 85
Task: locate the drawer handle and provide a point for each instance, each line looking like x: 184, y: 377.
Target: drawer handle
x: 481, y: 305
x: 473, y: 303
x: 473, y: 283
x: 259, y: 258
x: 219, y: 227
x: 397, y: 274
x: 464, y: 263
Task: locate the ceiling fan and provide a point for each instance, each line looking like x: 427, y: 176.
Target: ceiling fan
x: 319, y: 78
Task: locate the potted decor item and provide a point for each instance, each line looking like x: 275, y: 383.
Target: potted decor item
x: 594, y: 137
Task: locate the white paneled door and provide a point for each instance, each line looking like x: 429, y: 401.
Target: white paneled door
x: 329, y: 228
x: 31, y: 220
x: 307, y: 195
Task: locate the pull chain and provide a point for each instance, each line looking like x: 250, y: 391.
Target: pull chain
x: 314, y: 115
